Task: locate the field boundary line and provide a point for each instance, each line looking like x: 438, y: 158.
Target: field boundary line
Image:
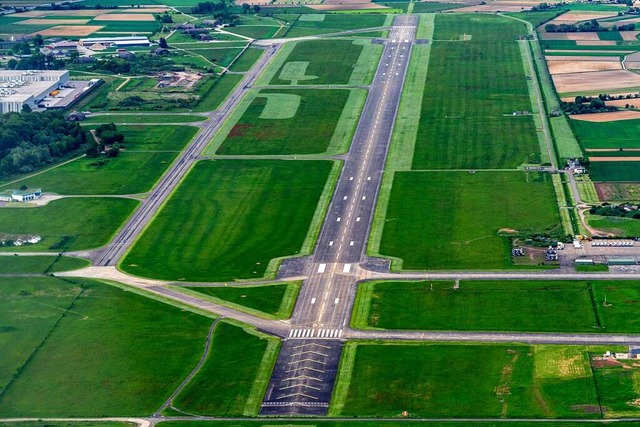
x: 234, y: 117
x: 366, y: 66
x: 289, y: 299
x: 261, y: 382
x: 347, y: 123
x: 207, y: 348
x: 345, y: 372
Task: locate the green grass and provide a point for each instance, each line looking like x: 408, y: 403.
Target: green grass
x: 441, y: 380
x: 616, y: 134
x: 473, y: 88
x: 143, y: 118
x: 451, y: 219
x: 39, y: 264
x: 377, y: 423
x: 622, y: 227
x: 68, y: 224
x: 132, y: 27
x: 246, y: 61
x: 524, y: 306
x: 316, y: 118
x: 615, y: 171
x: 610, y: 35
x: 596, y: 268
x: 227, y: 381
x: 536, y: 18
x: 230, y: 231
x: 334, y: 23
x: 618, y: 387
x: 256, y: 31
x: 148, y: 151
x: 75, y: 354
x: 571, y: 45
x: 214, y: 93
x: 276, y: 300
x: 329, y: 62
x: 219, y: 56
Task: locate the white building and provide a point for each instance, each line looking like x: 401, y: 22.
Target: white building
x: 21, y: 195
x: 114, y: 41
x: 18, y: 87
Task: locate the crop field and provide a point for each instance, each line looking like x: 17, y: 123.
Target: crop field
x: 68, y: 224
x: 474, y: 87
x: 229, y: 383
x: 148, y: 151
x: 334, y: 23
x: 525, y: 306
x: 319, y: 62
x: 617, y: 383
x: 246, y: 61
x: 39, y: 264
x: 614, y: 171
x: 275, y: 300
x: 499, y: 380
x: 618, y: 134
x: 455, y: 222
x: 228, y: 213
x: 275, y: 120
x: 58, y: 329
x: 361, y: 422
x: 618, y: 191
x: 143, y: 118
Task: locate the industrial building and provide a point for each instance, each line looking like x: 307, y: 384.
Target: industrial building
x: 18, y: 88
x: 21, y: 195
x: 98, y: 43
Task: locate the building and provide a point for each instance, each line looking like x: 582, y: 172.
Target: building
x: 108, y: 42
x: 21, y: 195
x: 19, y: 88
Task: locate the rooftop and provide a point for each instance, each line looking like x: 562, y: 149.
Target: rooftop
x: 19, y: 86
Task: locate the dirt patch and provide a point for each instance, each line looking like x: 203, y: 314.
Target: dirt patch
x: 508, y: 231
x: 596, y: 43
x: 617, y: 191
x: 614, y: 159
x: 70, y: 30
x: 629, y: 36
x: 618, y: 52
x: 575, y: 66
x: 599, y: 81
x: 605, y: 362
x: 623, y: 102
x: 574, y: 17
x: 43, y: 21
x: 608, y: 150
x: 580, y: 58
x: 125, y: 17
x: 494, y: 7
x: 587, y: 409
x: 347, y: 6
x: 607, y: 117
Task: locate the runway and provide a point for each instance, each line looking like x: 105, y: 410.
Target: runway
x: 323, y: 308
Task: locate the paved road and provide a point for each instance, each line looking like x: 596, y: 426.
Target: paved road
x: 306, y: 368
x: 113, y: 252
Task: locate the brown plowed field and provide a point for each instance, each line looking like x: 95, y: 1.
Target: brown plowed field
x: 629, y: 35
x: 602, y: 81
x: 70, y: 30
x: 148, y: 10
x: 42, y: 13
x: 610, y: 191
x: 608, y: 150
x: 573, y: 17
x: 623, y: 102
x: 596, y: 43
x: 607, y: 117
x: 580, y: 58
x: 564, y: 67
x: 614, y: 159
x: 346, y: 6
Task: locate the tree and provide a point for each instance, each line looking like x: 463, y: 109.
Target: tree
x: 37, y: 40
x: 163, y: 43
x: 12, y: 64
x: 245, y: 8
x: 26, y: 108
x: 256, y: 8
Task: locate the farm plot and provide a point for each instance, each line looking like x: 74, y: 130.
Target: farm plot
x: 621, y: 171
x: 333, y: 23
x: 148, y: 151
x: 319, y: 62
x: 490, y: 381
x: 68, y: 224
x: 611, y: 116
x: 229, y: 213
x: 475, y: 86
x: 275, y: 121
x: 617, y: 191
x: 599, y: 81
x: 601, y: 135
x: 57, y: 329
x: 577, y: 66
x: 453, y: 219
x: 526, y: 306
x: 229, y: 383
x: 616, y: 383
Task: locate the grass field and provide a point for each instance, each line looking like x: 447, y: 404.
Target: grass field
x: 148, y: 151
x: 58, y: 330
x: 524, y: 306
x: 275, y: 300
x: 229, y: 213
x: 333, y: 23
x: 622, y: 227
x: 617, y: 383
x: 615, y: 171
x: 319, y: 62
x: 39, y: 264
x: 213, y: 94
x: 143, y: 118
x: 505, y: 381
x: 230, y: 383
x: 473, y: 89
x: 618, y: 134
x: 452, y: 221
x: 536, y: 18
x: 67, y: 224
x: 289, y: 114
x: 246, y: 61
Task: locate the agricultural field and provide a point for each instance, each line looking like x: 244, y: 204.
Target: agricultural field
x: 148, y: 151
x: 523, y: 306
x: 474, y: 87
x: 95, y: 220
x: 624, y: 171
x: 39, y: 264
x: 506, y: 381
x: 461, y: 219
x: 229, y: 233
x: 142, y: 118
x: 319, y: 62
x: 376, y: 423
x: 309, y: 25
x: 246, y: 61
x: 275, y: 300
x: 621, y: 227
x: 232, y: 380
x: 617, y: 134
x: 274, y: 121
x: 58, y: 328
